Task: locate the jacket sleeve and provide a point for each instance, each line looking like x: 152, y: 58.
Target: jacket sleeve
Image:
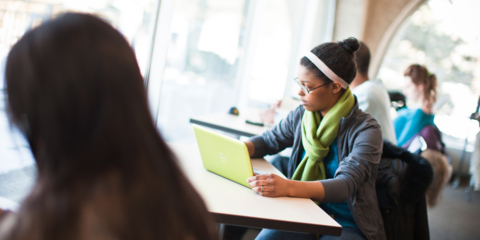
x: 358, y: 167
x: 279, y: 137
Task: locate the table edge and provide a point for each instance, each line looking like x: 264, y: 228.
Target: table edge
x: 221, y: 128
x: 277, y: 224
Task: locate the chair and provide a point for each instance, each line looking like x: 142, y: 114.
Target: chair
x: 402, y: 182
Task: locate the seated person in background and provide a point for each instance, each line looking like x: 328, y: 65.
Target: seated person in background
x: 270, y: 114
x: 371, y: 94
x: 416, y: 126
x: 336, y: 147
x: 104, y: 172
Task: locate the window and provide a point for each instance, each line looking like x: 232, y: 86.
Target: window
x: 439, y: 35
x: 222, y: 54
x: 205, y: 50
x: 133, y: 18
x: 272, y: 53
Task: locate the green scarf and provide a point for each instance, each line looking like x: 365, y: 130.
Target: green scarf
x: 317, y: 136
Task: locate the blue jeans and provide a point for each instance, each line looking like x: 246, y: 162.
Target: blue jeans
x: 347, y: 233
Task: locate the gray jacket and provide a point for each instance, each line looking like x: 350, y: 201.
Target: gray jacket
x: 359, y: 144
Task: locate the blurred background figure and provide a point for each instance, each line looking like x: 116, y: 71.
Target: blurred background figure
x: 75, y: 91
x: 475, y: 157
x: 372, y: 96
x: 416, y: 130
x: 269, y: 114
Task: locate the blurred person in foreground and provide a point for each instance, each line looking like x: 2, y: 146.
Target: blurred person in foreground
x: 416, y: 130
x: 76, y: 92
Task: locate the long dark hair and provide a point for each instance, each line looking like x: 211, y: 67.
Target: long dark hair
x: 75, y: 90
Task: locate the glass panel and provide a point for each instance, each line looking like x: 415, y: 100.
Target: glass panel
x: 272, y: 53
x: 437, y: 36
x: 133, y: 18
x: 202, y: 62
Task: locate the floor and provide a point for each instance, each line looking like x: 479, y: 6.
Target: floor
x: 453, y: 218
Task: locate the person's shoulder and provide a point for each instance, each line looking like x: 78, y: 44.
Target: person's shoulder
x: 362, y: 88
x: 297, y: 111
x: 296, y: 114
x: 376, y: 86
x: 360, y: 119
x: 406, y: 112
x: 361, y: 127
x: 370, y: 88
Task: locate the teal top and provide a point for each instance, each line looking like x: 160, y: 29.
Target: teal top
x: 338, y: 211
x: 410, y: 122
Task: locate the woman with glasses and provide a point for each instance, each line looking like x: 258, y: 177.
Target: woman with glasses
x: 336, y: 147
x: 75, y: 91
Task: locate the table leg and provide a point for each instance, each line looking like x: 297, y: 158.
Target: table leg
x: 221, y: 230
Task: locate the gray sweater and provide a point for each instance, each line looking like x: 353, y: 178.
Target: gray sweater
x: 359, y: 144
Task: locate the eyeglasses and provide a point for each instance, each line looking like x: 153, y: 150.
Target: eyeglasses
x: 305, y: 89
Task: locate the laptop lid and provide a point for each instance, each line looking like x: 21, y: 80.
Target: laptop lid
x: 223, y: 155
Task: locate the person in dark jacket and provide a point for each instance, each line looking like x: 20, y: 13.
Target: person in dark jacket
x: 336, y: 147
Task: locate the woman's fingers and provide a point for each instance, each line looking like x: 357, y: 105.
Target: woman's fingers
x: 257, y: 177
x: 269, y: 185
x: 262, y: 184
x: 258, y: 183
x: 261, y: 187
x: 266, y: 188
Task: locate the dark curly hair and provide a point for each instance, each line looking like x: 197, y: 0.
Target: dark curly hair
x: 338, y: 56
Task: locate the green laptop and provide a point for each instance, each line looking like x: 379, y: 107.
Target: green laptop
x: 223, y: 155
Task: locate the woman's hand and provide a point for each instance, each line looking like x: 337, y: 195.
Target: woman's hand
x: 273, y: 185
x: 276, y: 186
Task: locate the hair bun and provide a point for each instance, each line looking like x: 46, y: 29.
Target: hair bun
x: 350, y: 44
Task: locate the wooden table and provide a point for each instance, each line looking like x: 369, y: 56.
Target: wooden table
x: 233, y: 204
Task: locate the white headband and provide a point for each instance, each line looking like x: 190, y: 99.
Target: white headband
x: 324, y: 68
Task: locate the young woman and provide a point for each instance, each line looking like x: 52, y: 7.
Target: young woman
x: 75, y: 91
x: 421, y: 88
x: 413, y: 123
x: 336, y: 147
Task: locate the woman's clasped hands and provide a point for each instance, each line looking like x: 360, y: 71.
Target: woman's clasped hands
x: 269, y: 185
